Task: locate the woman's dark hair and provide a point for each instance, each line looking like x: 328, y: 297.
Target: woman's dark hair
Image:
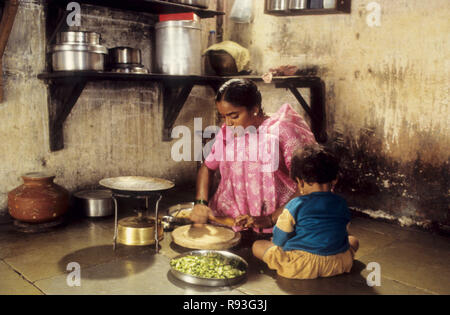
x: 314, y: 164
x: 240, y: 93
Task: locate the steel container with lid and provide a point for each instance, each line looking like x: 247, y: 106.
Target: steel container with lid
x: 298, y: 5
x: 78, y: 51
x: 277, y: 5
x: 94, y: 203
x: 178, y: 48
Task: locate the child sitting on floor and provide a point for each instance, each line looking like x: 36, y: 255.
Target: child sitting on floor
x: 310, y: 238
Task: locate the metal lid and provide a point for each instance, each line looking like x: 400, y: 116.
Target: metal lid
x: 137, y: 183
x: 78, y: 37
x: 99, y: 49
x: 94, y: 194
x: 181, y: 23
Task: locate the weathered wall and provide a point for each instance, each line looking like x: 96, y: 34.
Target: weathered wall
x: 387, y: 97
x: 115, y: 129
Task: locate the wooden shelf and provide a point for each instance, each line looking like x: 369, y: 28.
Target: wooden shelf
x: 150, y: 6
x: 65, y: 88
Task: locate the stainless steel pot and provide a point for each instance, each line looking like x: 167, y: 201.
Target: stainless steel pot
x: 196, y: 3
x: 277, y: 5
x: 298, y: 5
x: 125, y: 55
x: 94, y: 203
x: 178, y: 48
x: 78, y: 57
x: 90, y: 38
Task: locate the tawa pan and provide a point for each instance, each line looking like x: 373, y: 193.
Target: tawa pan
x: 137, y: 185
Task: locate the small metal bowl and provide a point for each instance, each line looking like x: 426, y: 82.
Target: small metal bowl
x: 179, y: 209
x: 177, y: 216
x: 94, y: 203
x: 241, y: 264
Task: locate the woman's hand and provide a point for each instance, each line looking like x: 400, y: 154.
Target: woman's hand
x: 200, y: 214
x: 246, y: 221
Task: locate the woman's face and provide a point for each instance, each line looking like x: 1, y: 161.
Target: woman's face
x: 234, y: 116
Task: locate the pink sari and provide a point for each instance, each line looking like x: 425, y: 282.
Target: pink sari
x: 253, y: 183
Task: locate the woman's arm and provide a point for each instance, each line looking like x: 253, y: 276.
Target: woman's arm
x: 263, y: 222
x: 205, y: 179
x: 202, y: 212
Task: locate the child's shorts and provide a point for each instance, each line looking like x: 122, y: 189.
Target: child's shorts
x: 298, y: 264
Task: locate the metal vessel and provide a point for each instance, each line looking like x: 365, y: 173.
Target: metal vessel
x: 298, y: 5
x: 178, y: 48
x: 196, y: 3
x: 138, y: 231
x: 239, y: 261
x: 78, y: 57
x: 94, y: 203
x: 125, y: 55
x: 277, y: 5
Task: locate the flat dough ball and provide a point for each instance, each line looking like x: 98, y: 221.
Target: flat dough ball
x: 203, y: 237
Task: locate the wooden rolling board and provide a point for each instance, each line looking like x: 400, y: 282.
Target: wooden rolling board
x: 205, y: 237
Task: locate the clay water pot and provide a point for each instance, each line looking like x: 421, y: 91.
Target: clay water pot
x: 38, y: 200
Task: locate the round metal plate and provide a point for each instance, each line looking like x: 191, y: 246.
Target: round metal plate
x: 242, y: 264
x: 136, y: 184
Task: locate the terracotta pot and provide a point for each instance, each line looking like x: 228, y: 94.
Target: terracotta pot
x: 38, y: 200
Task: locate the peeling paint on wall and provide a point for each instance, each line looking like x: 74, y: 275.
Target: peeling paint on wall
x: 387, y: 96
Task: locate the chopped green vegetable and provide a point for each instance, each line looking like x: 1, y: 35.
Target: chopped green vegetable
x: 210, y: 266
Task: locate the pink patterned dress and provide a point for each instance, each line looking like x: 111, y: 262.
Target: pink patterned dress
x: 255, y: 167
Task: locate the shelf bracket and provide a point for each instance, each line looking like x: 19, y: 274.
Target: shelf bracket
x: 8, y: 15
x: 175, y: 95
x: 62, y: 97
x: 316, y: 111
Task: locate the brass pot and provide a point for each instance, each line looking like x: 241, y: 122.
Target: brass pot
x: 138, y: 231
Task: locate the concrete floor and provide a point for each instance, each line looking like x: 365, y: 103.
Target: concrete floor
x: 411, y: 261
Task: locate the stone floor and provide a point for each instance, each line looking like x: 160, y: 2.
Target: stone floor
x: 411, y: 262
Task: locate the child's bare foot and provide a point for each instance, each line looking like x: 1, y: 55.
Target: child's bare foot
x: 260, y: 247
x: 354, y: 243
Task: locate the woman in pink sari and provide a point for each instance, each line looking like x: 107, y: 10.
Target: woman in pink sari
x: 253, y: 154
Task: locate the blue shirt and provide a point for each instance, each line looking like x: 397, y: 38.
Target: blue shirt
x: 315, y: 223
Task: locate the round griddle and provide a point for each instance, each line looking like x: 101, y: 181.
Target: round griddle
x: 137, y: 185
